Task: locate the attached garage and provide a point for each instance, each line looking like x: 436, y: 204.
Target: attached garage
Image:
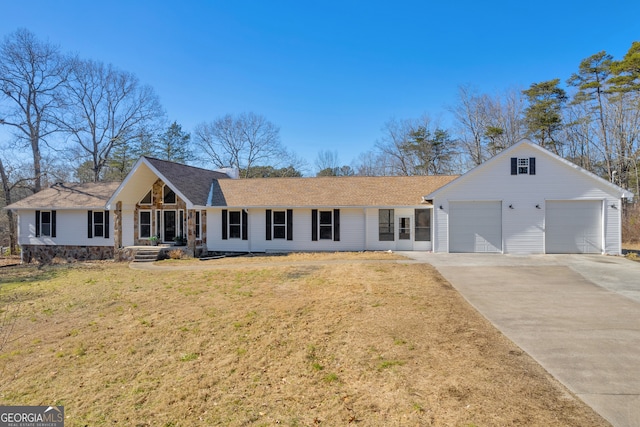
x: 573, y: 226
x: 475, y: 226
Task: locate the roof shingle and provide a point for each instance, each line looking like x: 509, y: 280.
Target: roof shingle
x: 327, y: 191
x: 69, y: 196
x: 194, y: 183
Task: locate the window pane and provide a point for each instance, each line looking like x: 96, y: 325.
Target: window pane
x: 423, y: 225
x: 45, y: 229
x: 46, y: 217
x: 234, y: 231
x: 146, y: 200
x: 325, y: 217
x: 98, y: 224
x: 169, y: 195
x: 279, y: 217
x: 326, y: 232
x: 234, y: 217
x: 405, y: 229
x: 385, y: 225
x: 523, y: 166
x: 279, y: 232
x: 145, y: 224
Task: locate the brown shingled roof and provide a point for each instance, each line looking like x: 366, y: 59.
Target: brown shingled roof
x: 69, y: 195
x: 327, y: 191
x: 194, y: 183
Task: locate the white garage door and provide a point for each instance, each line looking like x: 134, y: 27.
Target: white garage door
x: 573, y: 227
x: 475, y: 227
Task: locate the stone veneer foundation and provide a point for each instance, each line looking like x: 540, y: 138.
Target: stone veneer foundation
x: 45, y: 254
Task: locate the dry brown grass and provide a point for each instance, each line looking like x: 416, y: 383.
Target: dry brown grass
x: 370, y: 342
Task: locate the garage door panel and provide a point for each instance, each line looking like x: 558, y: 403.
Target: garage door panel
x: 573, y: 226
x: 475, y: 227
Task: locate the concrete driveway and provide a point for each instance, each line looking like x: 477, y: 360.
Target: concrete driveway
x: 577, y: 315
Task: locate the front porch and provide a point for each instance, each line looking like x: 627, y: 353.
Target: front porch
x: 149, y: 253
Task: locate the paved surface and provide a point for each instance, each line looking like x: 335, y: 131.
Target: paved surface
x: 577, y: 315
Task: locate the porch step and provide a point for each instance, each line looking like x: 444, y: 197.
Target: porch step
x: 146, y: 255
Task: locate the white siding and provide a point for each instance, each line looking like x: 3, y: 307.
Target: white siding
x: 373, y: 242
x: 71, y: 229
x: 523, y: 226
x: 352, y: 233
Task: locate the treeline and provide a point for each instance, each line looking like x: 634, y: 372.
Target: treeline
x: 592, y: 120
x: 64, y: 118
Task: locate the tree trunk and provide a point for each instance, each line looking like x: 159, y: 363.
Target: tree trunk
x: 6, y: 190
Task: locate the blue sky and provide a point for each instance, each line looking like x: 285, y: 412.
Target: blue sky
x: 329, y: 73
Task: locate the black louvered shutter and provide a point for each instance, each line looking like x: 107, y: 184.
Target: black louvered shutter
x: 514, y: 166
x: 336, y: 225
x: 289, y: 224
x: 89, y: 224
x: 53, y: 223
x: 268, y: 222
x: 37, y: 223
x: 224, y: 224
x: 245, y: 220
x: 532, y: 165
x: 314, y: 224
x: 106, y: 224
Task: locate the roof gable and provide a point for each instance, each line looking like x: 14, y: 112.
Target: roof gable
x: 190, y: 183
x: 512, y: 151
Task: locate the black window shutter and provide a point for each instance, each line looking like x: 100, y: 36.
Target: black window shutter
x: 37, y: 223
x: 532, y: 165
x: 514, y: 166
x: 53, y: 223
x: 106, y: 224
x: 89, y: 224
x: 268, y: 222
x: 224, y: 224
x: 289, y: 224
x: 245, y: 220
x: 336, y: 225
x: 314, y: 224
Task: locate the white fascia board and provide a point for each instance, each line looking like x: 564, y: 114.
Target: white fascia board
x: 621, y: 192
x: 189, y: 204
x: 124, y: 183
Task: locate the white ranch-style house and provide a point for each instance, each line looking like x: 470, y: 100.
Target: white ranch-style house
x: 525, y: 200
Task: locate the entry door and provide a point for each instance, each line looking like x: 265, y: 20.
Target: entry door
x: 169, y: 226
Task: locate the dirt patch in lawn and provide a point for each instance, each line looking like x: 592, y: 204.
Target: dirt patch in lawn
x: 369, y: 342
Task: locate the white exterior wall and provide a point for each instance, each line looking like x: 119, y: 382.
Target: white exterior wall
x: 351, y: 233
x: 523, y: 226
x: 71, y: 229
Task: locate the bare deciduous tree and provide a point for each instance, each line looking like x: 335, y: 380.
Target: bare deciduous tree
x: 32, y: 73
x: 106, y: 109
x: 242, y: 142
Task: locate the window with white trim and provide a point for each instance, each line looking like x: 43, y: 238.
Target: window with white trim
x: 147, y: 199
x: 385, y: 225
x: 326, y: 225
x: 423, y: 225
x: 168, y: 196
x: 235, y: 225
x: 144, y: 224
x: 404, y: 232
